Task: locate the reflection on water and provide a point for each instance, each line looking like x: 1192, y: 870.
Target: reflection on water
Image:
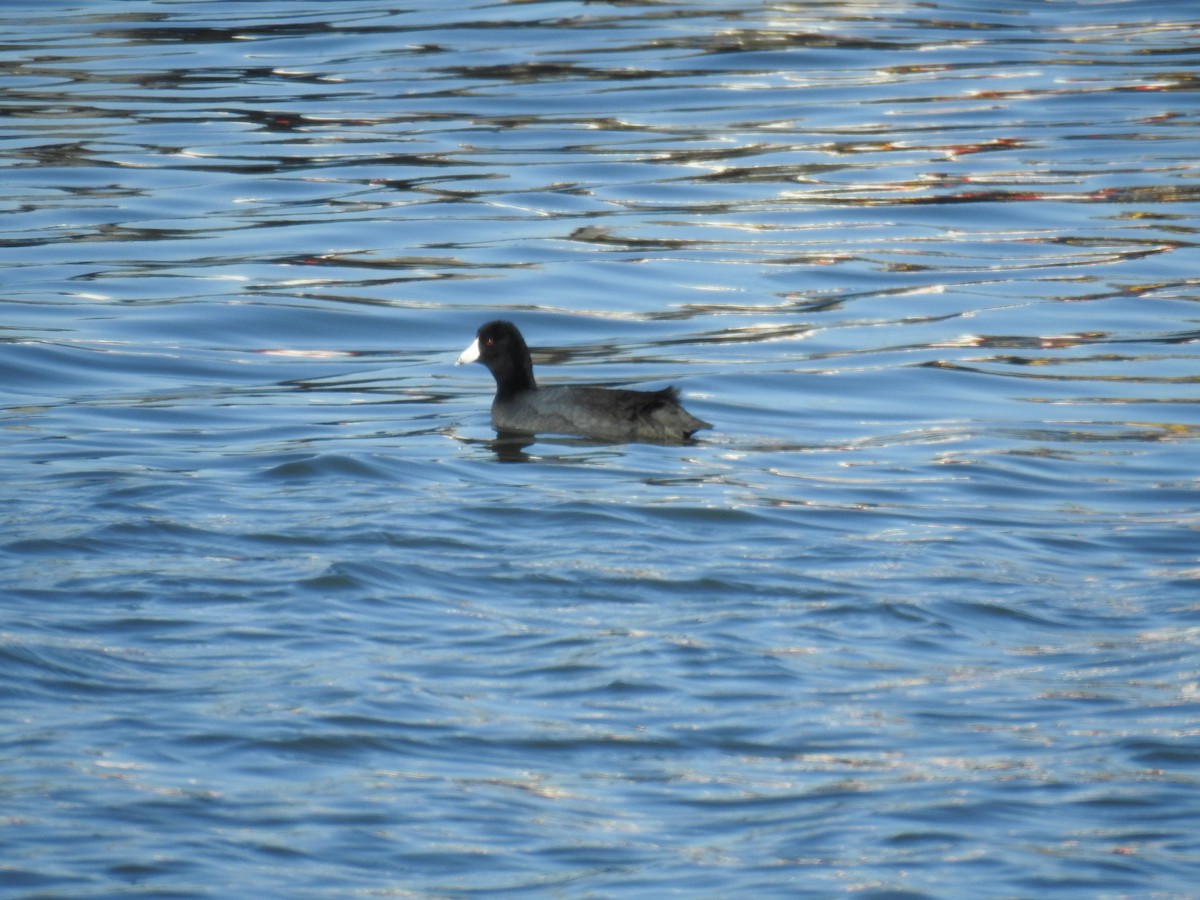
x: 918, y: 612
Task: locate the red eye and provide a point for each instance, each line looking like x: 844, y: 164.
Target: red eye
x: 490, y: 342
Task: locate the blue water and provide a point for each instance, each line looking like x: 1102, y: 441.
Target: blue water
x: 919, y: 617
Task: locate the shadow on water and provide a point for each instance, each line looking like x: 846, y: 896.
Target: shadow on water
x: 513, y: 447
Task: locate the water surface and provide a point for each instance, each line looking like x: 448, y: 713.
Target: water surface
x: 918, y: 617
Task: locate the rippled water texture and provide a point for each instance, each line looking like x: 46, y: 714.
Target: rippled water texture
x: 919, y: 616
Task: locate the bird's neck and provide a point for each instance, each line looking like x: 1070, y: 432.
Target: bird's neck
x: 519, y: 381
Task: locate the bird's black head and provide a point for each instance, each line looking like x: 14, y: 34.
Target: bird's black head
x: 500, y: 347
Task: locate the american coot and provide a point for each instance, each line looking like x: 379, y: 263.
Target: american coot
x: 596, y: 412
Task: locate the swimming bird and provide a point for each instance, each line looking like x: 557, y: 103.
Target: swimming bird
x: 607, y: 414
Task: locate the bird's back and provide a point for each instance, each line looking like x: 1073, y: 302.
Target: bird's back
x: 604, y: 413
